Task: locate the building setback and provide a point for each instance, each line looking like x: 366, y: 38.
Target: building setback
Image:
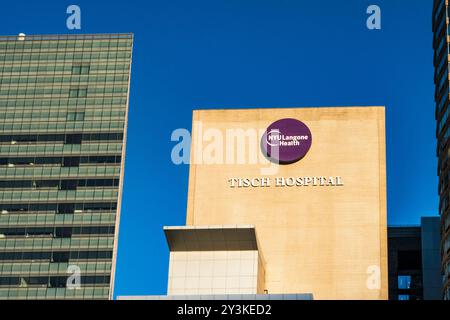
x: 63, y: 118
x: 441, y: 79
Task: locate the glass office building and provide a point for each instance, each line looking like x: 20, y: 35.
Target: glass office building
x: 441, y: 79
x: 63, y: 119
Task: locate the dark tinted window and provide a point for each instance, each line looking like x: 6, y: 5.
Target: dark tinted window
x: 409, y: 260
x: 73, y: 139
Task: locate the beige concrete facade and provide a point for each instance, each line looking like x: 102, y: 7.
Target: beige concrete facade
x: 326, y: 240
x: 214, y: 260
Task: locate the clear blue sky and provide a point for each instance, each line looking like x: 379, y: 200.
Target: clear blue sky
x: 253, y: 53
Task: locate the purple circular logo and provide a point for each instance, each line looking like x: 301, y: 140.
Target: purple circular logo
x: 286, y: 141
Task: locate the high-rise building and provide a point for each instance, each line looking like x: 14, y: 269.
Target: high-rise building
x: 63, y: 120
x: 441, y: 78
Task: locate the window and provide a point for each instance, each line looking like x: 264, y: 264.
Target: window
x: 76, y: 69
x: 60, y: 257
x: 403, y: 297
x: 80, y: 69
x: 75, y: 116
x: 78, y: 93
x: 85, y: 69
x: 63, y: 232
x: 66, y: 208
x: 73, y: 93
x: 404, y: 282
x: 69, y: 184
x: 57, y: 282
x: 409, y: 260
x: 71, y: 162
x: 73, y: 139
x: 82, y: 93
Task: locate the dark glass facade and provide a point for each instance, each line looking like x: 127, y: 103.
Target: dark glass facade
x: 441, y: 79
x: 415, y: 261
x: 405, y: 263
x: 63, y: 116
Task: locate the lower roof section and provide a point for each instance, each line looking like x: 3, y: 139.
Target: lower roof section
x: 211, y: 238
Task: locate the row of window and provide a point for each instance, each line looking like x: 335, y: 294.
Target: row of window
x: 93, y: 194
x: 443, y: 120
x: 70, y: 147
x: 60, y: 138
x: 447, y: 270
x: 53, y: 172
x: 447, y: 223
x: 54, y: 67
x: 97, y: 114
x: 61, y: 117
x: 407, y: 297
x: 54, y: 80
x: 72, y: 92
x: 62, y: 126
x: 31, y: 43
x: 62, y: 161
x: 47, y: 268
x: 84, y: 293
x: 447, y: 246
x: 443, y: 81
x: 443, y: 102
x: 443, y: 141
x: 439, y: 53
x: 443, y: 159
x: 71, y: 184
x: 36, y: 102
x: 52, y: 219
x: 46, y: 243
x: 57, y: 232
x: 439, y: 28
x: 443, y: 181
x: 70, y: 55
x: 50, y: 282
x: 57, y: 257
x: 443, y: 61
x: 442, y: 96
x: 71, y: 138
x: 440, y: 41
x: 58, y: 208
x: 443, y: 205
x: 438, y: 10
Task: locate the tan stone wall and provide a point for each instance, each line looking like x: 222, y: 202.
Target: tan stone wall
x: 261, y: 277
x: 320, y: 240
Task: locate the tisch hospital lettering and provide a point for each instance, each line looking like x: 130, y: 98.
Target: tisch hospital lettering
x: 286, y: 182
